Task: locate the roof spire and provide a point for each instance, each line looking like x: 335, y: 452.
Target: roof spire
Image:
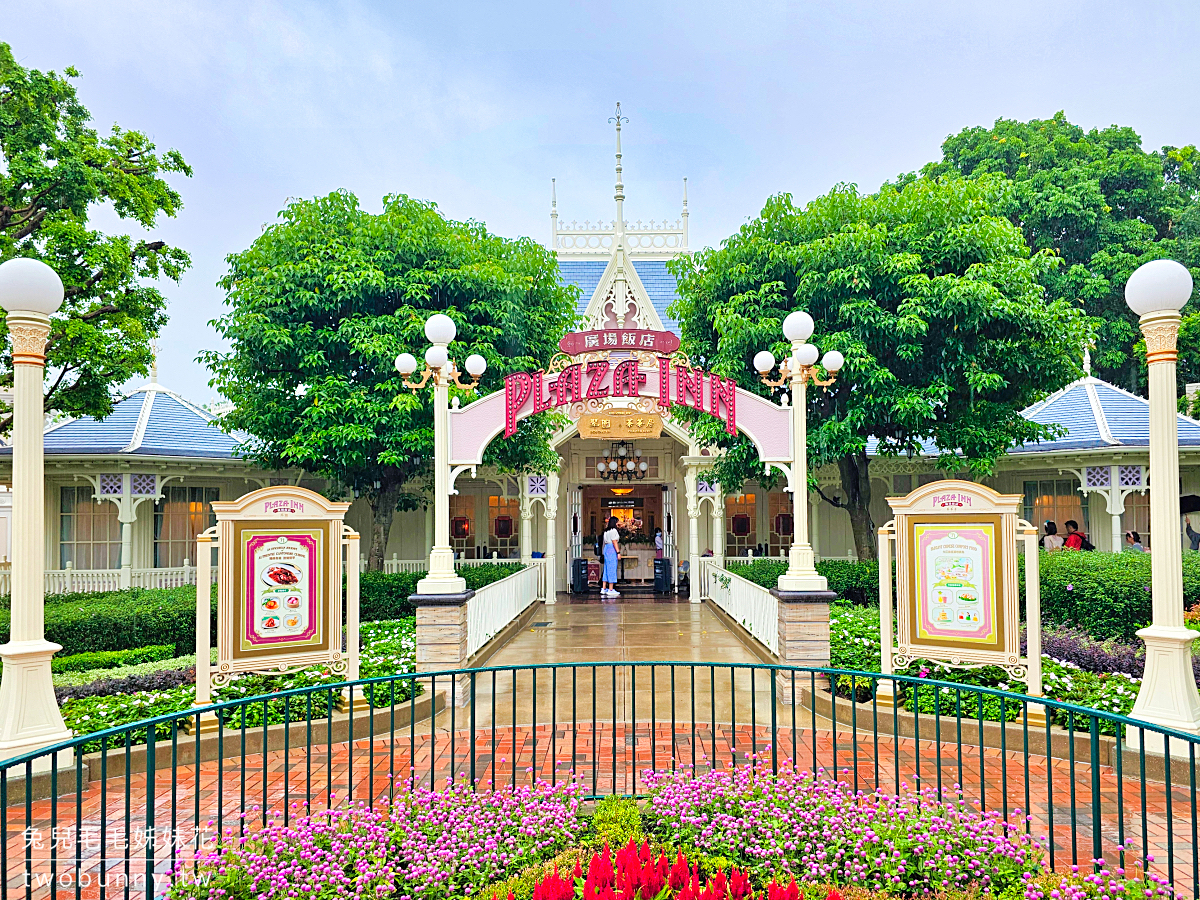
x: 154, y: 361
x: 553, y: 215
x: 619, y: 195
x: 684, y: 214
x: 1087, y: 360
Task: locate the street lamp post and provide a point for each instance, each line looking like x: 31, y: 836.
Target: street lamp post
x: 1168, y: 695
x: 30, y: 291
x: 440, y: 330
x: 799, y: 371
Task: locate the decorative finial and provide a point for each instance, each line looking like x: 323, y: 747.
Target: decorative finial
x: 154, y: 361
x: 619, y: 195
x: 1087, y: 360
x: 684, y: 214
x: 554, y: 194
x: 553, y: 215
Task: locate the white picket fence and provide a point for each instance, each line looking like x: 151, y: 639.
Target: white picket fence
x: 747, y: 603
x: 71, y: 580
x: 495, y: 605
x: 395, y: 564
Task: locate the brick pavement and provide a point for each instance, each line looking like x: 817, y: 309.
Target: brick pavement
x: 42, y: 838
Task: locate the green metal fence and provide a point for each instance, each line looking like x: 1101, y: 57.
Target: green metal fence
x: 115, y: 813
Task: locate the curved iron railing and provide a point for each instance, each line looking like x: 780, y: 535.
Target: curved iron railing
x: 103, y: 815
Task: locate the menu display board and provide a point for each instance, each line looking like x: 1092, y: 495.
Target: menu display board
x: 283, y: 597
x: 955, y: 580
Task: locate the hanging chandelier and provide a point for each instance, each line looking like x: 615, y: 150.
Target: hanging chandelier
x: 622, y: 460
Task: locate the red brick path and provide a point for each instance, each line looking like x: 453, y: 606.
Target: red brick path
x: 42, y: 838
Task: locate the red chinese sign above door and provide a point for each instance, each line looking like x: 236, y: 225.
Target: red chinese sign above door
x: 578, y: 342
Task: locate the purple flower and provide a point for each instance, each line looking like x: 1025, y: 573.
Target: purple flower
x: 1070, y: 587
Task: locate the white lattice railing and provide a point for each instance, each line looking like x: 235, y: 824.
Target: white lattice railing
x: 747, y: 603
x: 394, y: 565
x: 495, y: 605
x: 70, y: 580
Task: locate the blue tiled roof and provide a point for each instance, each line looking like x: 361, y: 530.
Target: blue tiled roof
x: 584, y: 274
x: 661, y: 286
x: 1096, y: 416
x: 151, y: 421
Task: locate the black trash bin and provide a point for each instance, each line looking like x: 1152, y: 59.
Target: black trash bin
x: 662, y: 576
x: 579, y: 569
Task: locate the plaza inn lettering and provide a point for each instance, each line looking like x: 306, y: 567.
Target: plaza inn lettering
x: 599, y: 379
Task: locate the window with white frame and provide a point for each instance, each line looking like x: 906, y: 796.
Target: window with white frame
x: 1055, y: 500
x: 181, y: 514
x: 89, y: 534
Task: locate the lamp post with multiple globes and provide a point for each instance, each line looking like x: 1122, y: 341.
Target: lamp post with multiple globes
x: 30, y: 291
x: 1168, y: 695
x: 799, y: 371
x: 439, y: 368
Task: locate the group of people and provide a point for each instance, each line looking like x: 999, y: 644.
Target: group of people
x: 1077, y: 540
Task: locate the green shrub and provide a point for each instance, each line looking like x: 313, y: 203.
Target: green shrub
x: 481, y: 575
x: 1105, y: 594
x: 111, y: 659
x: 121, y: 620
x: 853, y: 580
x: 616, y: 820
x: 383, y: 596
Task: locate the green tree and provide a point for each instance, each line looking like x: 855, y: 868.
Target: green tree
x: 1101, y: 202
x: 321, y: 304
x: 54, y: 169
x: 933, y: 298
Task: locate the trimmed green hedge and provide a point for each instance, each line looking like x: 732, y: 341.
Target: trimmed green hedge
x: 1105, y: 594
x: 111, y: 659
x: 125, y: 620
x: 852, y: 580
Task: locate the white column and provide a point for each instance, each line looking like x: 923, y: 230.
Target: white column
x: 442, y: 578
x: 1168, y: 694
x: 693, y: 515
x: 428, y: 530
x: 1116, y: 506
x: 126, y: 520
x: 802, y: 572
x: 550, y: 512
x: 718, y: 529
x: 814, y: 527
x: 29, y: 714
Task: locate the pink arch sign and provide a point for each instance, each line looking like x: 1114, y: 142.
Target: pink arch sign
x: 473, y: 427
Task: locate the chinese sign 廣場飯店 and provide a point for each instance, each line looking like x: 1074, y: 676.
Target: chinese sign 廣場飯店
x: 956, y: 598
x: 282, y: 603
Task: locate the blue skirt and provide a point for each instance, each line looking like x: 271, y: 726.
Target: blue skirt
x: 610, y: 564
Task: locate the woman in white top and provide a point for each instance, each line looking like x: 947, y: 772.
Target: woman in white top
x: 1051, y: 540
x: 658, y: 543
x: 608, y: 581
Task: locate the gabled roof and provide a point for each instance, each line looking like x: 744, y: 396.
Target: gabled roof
x: 152, y: 421
x: 660, y: 284
x: 1098, y: 415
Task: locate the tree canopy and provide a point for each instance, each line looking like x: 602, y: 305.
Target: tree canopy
x: 54, y: 169
x: 321, y: 304
x: 1101, y: 202
x: 933, y: 297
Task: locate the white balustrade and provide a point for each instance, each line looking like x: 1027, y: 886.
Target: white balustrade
x: 750, y: 605
x: 495, y: 605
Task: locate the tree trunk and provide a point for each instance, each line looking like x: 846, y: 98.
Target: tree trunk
x: 383, y: 509
x: 856, y: 482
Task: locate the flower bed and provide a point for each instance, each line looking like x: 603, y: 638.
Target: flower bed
x: 1075, y: 669
x: 389, y: 648
x: 740, y: 834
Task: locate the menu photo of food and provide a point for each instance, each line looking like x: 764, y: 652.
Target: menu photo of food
x: 281, y: 588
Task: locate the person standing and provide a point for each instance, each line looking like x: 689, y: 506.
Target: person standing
x: 611, y: 541
x: 658, y: 543
x: 1075, y: 537
x: 1193, y: 536
x: 1051, y: 540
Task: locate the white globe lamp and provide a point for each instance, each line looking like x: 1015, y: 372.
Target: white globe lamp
x: 798, y: 326
x: 436, y: 356
x: 406, y: 364
x: 806, y: 354
x: 1161, y: 285
x: 29, y: 285
x: 764, y: 361
x: 833, y: 361
x: 440, y: 329
x: 476, y: 365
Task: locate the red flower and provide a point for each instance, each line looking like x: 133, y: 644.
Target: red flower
x: 678, y: 877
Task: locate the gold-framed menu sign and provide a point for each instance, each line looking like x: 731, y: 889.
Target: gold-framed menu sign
x: 956, y: 552
x: 279, y: 587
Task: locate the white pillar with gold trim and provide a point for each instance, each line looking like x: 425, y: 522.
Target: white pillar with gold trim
x: 29, y: 715
x: 1168, y: 695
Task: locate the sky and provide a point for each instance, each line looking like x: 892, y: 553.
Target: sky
x: 476, y: 106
